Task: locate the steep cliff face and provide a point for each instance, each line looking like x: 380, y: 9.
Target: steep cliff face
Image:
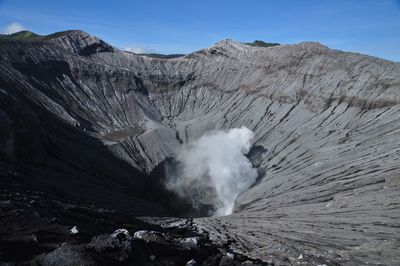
x: 86, y: 119
x: 79, y: 42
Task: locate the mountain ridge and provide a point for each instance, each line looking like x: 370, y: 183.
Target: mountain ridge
x: 71, y: 34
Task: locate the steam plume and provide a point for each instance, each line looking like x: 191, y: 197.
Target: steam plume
x: 214, y: 170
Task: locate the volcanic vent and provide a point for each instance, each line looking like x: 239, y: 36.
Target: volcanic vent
x: 212, y: 171
x: 86, y: 121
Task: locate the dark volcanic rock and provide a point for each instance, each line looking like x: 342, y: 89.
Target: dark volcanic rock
x: 35, y: 229
x: 86, y: 123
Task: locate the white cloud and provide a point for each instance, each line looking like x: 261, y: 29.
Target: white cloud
x: 12, y: 28
x: 139, y: 50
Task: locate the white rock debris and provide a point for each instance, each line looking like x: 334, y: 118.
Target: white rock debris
x: 124, y: 232
x: 191, y: 262
x: 74, y: 230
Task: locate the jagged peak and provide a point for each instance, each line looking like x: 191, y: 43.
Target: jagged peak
x: 76, y: 41
x: 80, y: 42
x: 71, y: 33
x: 29, y: 35
x: 312, y: 44
x: 231, y: 47
x: 228, y: 43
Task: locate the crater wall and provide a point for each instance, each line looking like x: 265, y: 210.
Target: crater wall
x: 326, y: 123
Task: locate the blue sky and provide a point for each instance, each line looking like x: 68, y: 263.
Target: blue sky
x: 182, y: 26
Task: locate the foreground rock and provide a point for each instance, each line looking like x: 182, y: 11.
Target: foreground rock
x: 35, y: 230
x: 92, y: 125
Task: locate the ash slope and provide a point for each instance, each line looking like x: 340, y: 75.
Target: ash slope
x: 93, y: 124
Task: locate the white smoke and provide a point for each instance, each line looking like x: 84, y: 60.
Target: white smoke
x: 214, y: 169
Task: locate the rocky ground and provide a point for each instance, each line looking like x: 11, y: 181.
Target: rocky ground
x: 82, y: 123
x: 39, y: 228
